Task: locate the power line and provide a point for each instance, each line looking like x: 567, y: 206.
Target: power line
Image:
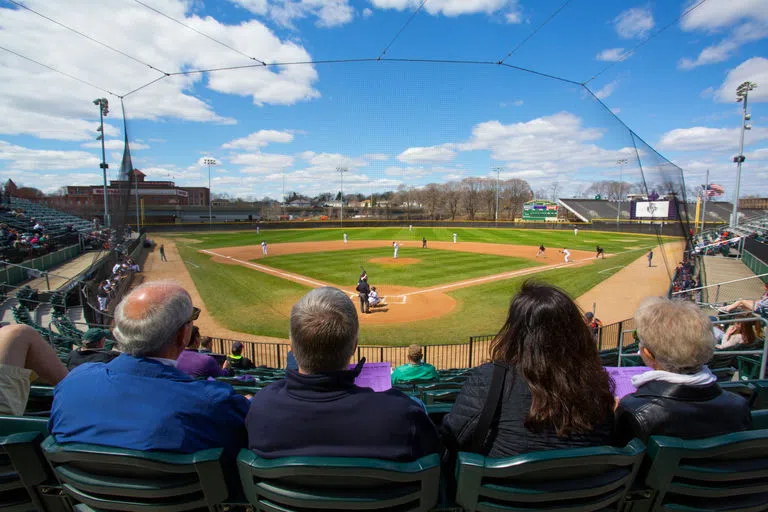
x: 145, y: 85
x: 646, y: 40
x: 58, y: 71
x: 105, y: 45
x: 410, y: 19
x: 199, y: 32
x: 529, y: 36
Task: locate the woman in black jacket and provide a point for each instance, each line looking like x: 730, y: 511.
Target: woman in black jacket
x: 555, y: 392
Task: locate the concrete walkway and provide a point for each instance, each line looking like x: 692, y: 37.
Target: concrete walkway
x: 719, y: 269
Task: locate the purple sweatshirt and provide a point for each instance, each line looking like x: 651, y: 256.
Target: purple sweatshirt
x: 195, y: 364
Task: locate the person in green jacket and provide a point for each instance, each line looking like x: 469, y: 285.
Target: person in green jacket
x: 415, y: 369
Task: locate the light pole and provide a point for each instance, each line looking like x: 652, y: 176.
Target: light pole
x: 498, y: 184
x: 622, y: 162
x: 209, y: 162
x: 103, y: 105
x: 742, y: 92
x: 341, y: 171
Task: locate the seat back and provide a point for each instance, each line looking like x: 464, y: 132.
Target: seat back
x: 106, y: 478
x: 729, y: 471
x: 335, y: 483
x: 582, y: 479
x: 22, y: 466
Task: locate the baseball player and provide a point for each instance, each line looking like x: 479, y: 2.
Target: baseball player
x: 345, y: 238
x: 363, y: 289
x: 373, y: 297
x: 600, y: 252
x: 454, y: 238
x: 263, y: 247
x: 541, y: 250
x: 575, y: 231
x: 650, y: 257
x: 423, y: 242
x: 567, y: 255
x: 396, y: 247
x: 410, y: 227
x: 258, y: 230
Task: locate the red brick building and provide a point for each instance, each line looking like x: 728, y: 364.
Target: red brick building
x: 151, y: 193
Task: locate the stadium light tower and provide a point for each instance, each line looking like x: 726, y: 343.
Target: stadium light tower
x: 621, y: 162
x: 103, y: 105
x: 498, y: 184
x: 209, y: 162
x: 341, y: 171
x: 742, y: 92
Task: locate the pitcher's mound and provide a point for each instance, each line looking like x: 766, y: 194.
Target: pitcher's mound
x: 392, y: 261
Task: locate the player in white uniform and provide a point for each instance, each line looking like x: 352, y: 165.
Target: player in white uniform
x: 567, y: 254
x: 264, y: 247
x: 373, y: 298
x: 396, y: 247
x: 454, y: 238
x: 410, y: 228
x: 575, y: 231
x: 345, y: 238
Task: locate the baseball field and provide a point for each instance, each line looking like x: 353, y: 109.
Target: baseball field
x: 439, y: 294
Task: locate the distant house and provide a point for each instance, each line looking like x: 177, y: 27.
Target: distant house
x: 300, y: 203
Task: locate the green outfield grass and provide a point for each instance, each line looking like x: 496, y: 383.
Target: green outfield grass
x: 246, y: 300
x: 342, y: 268
x: 586, y: 240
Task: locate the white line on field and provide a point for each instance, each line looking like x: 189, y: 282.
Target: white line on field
x: 268, y: 270
x: 190, y: 263
x: 606, y: 270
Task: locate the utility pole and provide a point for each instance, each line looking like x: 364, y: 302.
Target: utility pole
x: 621, y: 162
x: 341, y: 171
x: 209, y: 162
x: 103, y: 105
x: 498, y: 184
x: 742, y: 93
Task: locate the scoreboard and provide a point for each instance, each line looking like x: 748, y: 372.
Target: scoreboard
x: 541, y: 211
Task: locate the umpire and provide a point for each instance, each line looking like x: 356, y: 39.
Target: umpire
x: 363, y: 289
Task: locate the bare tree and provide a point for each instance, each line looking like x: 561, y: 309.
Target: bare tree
x: 452, y: 194
x: 469, y: 192
x: 487, y: 195
x: 515, y: 192
x: 554, y: 191
x: 431, y: 198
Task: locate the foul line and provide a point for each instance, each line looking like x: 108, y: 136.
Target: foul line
x: 269, y: 270
x: 608, y: 269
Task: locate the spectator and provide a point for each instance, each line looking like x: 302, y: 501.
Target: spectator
x: 679, y: 397
x: 140, y: 400
x: 319, y: 411
x: 759, y: 306
x: 92, y: 350
x: 741, y: 333
x: 236, y: 360
x: 195, y: 364
x: 415, y: 369
x: 553, y: 391
x: 205, y: 345
x: 23, y: 351
x: 593, y: 323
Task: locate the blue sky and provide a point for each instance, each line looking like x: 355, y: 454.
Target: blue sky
x: 391, y: 123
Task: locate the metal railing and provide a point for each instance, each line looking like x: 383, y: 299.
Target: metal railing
x: 718, y: 287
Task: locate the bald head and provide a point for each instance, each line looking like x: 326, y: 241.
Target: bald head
x: 153, y: 319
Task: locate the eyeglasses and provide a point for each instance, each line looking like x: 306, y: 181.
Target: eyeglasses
x: 195, y: 314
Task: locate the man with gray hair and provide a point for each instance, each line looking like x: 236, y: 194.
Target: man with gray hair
x: 318, y: 410
x: 140, y: 400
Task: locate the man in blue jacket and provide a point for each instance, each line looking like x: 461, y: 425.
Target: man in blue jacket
x: 140, y: 400
x: 319, y: 411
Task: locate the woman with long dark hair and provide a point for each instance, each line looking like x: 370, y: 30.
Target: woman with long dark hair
x: 544, y: 389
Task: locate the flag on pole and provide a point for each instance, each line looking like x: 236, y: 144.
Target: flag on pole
x: 712, y: 190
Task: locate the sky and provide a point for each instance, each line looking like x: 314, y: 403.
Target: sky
x: 423, y: 99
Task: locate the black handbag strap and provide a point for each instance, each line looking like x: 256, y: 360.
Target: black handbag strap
x: 489, y: 409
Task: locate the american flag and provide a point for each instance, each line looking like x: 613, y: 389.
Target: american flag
x: 712, y: 190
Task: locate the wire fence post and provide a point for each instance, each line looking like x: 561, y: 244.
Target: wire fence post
x: 619, y: 343
x: 717, y: 294
x: 471, y: 346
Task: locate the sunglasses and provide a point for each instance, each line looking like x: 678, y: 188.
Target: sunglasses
x: 195, y: 314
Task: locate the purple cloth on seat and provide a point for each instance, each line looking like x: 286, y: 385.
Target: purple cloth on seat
x: 375, y: 376
x: 198, y: 365
x: 622, y: 377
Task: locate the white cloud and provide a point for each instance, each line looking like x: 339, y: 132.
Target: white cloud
x: 616, y: 110
x: 328, y: 13
x: 367, y: 12
x: 259, y: 139
x: 634, y: 23
x: 752, y: 70
x: 611, y: 55
x: 701, y: 138
x: 27, y: 159
x: 516, y: 103
x: 453, y: 7
x: 427, y: 155
x: 262, y: 162
x: 376, y: 156
x: 607, y: 90
x: 115, y: 144
x: 331, y: 161
x: 39, y: 102
x: 718, y: 14
x: 725, y: 49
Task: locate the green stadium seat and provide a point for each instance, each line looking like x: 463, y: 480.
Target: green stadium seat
x: 728, y: 472
x: 578, y: 479
x: 759, y: 420
x: 300, y: 484
x: 447, y: 396
x: 105, y: 478
x: 26, y: 483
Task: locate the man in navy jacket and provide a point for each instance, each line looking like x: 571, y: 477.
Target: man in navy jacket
x: 140, y: 400
x: 319, y: 411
